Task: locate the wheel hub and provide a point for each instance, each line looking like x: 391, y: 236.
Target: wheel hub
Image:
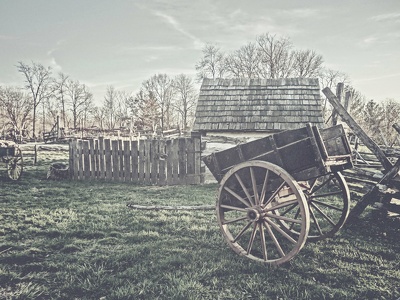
x: 255, y: 213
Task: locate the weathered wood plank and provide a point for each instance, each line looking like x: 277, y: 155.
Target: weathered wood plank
x: 101, y: 158
x: 142, y: 160
x: 190, y: 156
x: 86, y: 160
x: 134, y: 159
x: 170, y: 162
x: 147, y: 178
x: 162, y: 178
x: 75, y: 159
x: 80, y: 159
x: 107, y: 158
x: 92, y: 159
x: 96, y: 159
x: 396, y: 127
x: 121, y: 157
x: 373, y: 193
x: 115, y: 160
x: 368, y: 142
x: 175, y: 161
x: 182, y: 155
x: 197, y: 159
x: 339, y: 95
x: 127, y: 161
x: 154, y: 154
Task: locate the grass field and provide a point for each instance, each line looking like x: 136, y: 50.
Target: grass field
x: 79, y: 240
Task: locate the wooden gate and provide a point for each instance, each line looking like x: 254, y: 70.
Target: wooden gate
x: 152, y: 162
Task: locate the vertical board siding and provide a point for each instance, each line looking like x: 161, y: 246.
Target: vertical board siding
x: 150, y: 162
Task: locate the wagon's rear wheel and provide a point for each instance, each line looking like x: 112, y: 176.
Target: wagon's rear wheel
x: 328, y: 199
x: 254, y: 198
x: 15, y: 165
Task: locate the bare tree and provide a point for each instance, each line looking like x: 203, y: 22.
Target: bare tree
x: 38, y: 80
x: 391, y: 111
x: 275, y: 55
x: 16, y: 107
x: 148, y: 109
x: 244, y: 62
x: 80, y: 100
x: 99, y: 116
x: 357, y: 104
x: 160, y: 87
x: 212, y: 64
x: 186, y: 99
x: 306, y: 63
x: 116, y: 107
x: 59, y: 86
x: 110, y: 108
x: 330, y: 78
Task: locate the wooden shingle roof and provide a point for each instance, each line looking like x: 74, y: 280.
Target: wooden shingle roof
x: 258, y: 104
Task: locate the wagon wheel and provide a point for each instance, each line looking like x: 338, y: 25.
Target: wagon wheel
x: 328, y: 199
x: 14, y: 165
x: 251, y: 195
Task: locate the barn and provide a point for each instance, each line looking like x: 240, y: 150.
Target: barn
x: 256, y: 107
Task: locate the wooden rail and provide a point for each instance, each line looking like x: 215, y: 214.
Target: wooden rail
x: 357, y: 129
x: 151, y: 162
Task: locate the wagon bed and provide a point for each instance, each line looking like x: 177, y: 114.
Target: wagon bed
x: 305, y: 153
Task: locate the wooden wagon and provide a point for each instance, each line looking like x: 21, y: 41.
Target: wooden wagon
x: 278, y: 191
x: 11, y: 155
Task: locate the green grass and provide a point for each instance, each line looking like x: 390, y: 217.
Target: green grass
x: 79, y: 240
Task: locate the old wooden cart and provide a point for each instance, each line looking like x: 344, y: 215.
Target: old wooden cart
x: 277, y: 191
x: 11, y: 155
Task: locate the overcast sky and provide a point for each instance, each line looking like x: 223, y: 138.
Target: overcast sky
x: 124, y: 42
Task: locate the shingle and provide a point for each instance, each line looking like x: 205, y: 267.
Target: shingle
x: 258, y: 104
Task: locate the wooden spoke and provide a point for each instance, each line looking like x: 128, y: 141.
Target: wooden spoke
x: 321, y: 185
x: 234, y: 220
x: 274, y: 194
x: 315, y: 220
x: 264, y: 187
x: 277, y: 228
x: 323, y: 214
x: 233, y: 207
x: 295, y: 217
x: 274, y: 239
x: 252, y: 237
x: 326, y: 195
x: 263, y: 242
x: 273, y: 216
x: 329, y: 204
x: 244, y: 188
x: 293, y: 204
x: 242, y: 231
x: 237, y: 196
x: 254, y: 185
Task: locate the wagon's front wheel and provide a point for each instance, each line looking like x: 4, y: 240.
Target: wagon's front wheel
x: 254, y: 198
x: 15, y: 165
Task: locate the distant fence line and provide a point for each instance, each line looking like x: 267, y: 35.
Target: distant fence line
x: 152, y: 162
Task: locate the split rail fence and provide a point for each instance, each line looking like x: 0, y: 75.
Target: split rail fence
x: 150, y: 162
